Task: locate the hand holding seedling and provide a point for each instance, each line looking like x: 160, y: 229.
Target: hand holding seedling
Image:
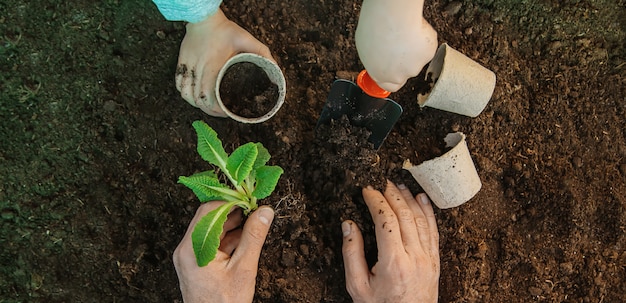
x: 204, y: 50
x: 407, y: 270
x: 231, y: 276
x: 248, y: 175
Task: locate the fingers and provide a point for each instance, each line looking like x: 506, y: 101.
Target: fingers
x: 357, y: 272
x: 233, y: 221
x: 195, y: 80
x: 206, y: 96
x: 197, y: 87
x: 410, y: 199
x: 386, y: 225
x: 420, y: 223
x: 206, y: 85
x: 184, y: 82
x: 424, y: 220
x: 398, y: 201
x: 198, y: 79
x: 252, y: 238
x: 433, y: 232
x: 230, y: 241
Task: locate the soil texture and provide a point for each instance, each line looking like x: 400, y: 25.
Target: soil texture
x: 247, y: 91
x: 93, y: 137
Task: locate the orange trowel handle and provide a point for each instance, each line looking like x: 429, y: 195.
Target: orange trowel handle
x: 369, y: 86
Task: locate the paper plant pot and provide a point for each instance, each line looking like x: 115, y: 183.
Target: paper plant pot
x: 273, y: 73
x: 449, y: 180
x: 461, y: 85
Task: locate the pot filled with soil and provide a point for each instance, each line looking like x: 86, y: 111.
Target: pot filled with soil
x: 250, y: 88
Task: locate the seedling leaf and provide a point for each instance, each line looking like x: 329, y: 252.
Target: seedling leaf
x: 262, y: 157
x: 203, y: 185
x: 209, y: 145
x: 240, y: 162
x: 205, y: 237
x: 249, y: 176
x: 266, y: 180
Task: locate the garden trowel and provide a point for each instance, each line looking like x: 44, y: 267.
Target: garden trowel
x: 365, y: 105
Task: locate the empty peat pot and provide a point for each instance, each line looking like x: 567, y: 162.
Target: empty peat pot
x: 461, y: 85
x: 449, y: 180
x: 250, y: 88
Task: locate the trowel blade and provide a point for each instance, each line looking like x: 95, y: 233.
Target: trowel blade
x: 377, y: 115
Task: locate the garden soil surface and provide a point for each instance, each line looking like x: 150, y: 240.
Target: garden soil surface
x: 93, y: 136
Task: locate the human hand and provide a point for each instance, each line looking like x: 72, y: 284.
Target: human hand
x: 204, y: 50
x: 407, y: 270
x: 231, y: 276
x: 394, y: 41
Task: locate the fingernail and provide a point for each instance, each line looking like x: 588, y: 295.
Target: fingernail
x: 266, y: 215
x: 346, y: 228
x: 401, y: 186
x: 369, y: 187
x: 424, y: 199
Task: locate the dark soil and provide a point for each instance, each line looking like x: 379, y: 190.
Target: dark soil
x: 93, y: 136
x: 247, y: 91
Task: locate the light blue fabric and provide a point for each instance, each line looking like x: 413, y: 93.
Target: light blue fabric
x: 187, y: 10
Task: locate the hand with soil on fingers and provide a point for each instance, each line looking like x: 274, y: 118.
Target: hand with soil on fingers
x: 231, y: 276
x: 407, y: 270
x: 207, y: 45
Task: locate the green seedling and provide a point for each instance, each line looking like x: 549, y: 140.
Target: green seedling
x: 251, y: 180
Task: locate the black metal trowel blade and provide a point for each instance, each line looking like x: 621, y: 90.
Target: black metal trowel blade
x: 377, y: 115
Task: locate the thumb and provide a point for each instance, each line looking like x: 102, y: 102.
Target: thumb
x: 357, y: 272
x: 250, y: 44
x: 252, y: 238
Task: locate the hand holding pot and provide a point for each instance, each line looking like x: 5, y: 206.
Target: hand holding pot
x: 394, y: 41
x: 408, y: 249
x: 204, y: 50
x: 231, y: 276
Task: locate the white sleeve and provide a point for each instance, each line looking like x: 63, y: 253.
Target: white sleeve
x: 187, y: 10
